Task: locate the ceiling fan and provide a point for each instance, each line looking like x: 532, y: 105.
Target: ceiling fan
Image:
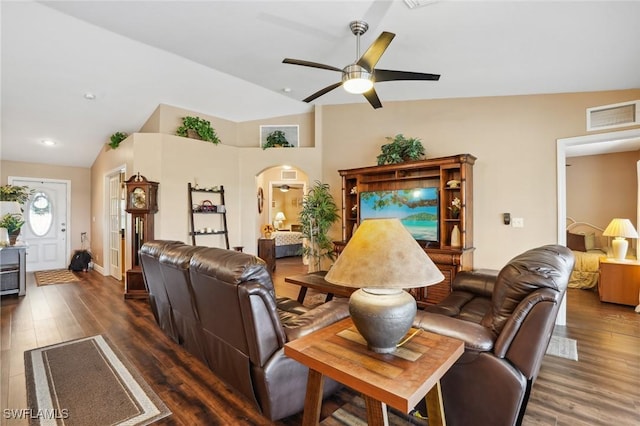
x: 359, y: 76
x: 286, y: 188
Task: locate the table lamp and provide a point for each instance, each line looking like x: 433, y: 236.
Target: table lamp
x: 620, y: 229
x: 381, y: 259
x: 277, y: 221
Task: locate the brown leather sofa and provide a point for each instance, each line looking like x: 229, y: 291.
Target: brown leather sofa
x: 506, y: 320
x: 224, y: 311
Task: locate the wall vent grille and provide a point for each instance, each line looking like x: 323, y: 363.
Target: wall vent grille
x: 289, y: 175
x: 611, y: 116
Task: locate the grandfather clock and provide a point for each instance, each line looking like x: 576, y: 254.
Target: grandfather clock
x: 142, y: 203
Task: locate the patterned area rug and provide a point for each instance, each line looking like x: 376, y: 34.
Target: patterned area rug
x: 86, y: 382
x: 563, y: 347
x: 55, y: 276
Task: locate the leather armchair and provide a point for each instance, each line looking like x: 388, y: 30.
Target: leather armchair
x: 506, y: 320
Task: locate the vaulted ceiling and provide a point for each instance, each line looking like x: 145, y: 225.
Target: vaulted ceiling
x: 224, y: 58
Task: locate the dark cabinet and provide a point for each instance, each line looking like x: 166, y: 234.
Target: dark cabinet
x: 267, y: 252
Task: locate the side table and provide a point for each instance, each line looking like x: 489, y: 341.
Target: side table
x: 400, y: 379
x: 619, y: 281
x: 267, y: 252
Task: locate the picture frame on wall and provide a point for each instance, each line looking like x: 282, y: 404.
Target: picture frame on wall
x: 290, y: 132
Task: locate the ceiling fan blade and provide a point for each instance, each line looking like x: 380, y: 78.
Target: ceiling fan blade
x: 322, y: 92
x: 373, y: 98
x: 310, y: 64
x: 371, y: 57
x: 392, y: 75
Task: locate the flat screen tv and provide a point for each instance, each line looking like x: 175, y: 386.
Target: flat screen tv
x: 417, y: 209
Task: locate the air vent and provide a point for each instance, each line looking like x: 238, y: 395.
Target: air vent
x: 289, y: 175
x: 616, y: 115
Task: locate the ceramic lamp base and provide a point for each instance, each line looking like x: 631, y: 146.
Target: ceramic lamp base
x: 620, y: 246
x: 382, y: 316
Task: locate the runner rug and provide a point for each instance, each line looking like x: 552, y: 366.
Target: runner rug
x: 55, y: 276
x: 86, y: 382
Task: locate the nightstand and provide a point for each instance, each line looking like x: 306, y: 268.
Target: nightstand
x: 619, y: 281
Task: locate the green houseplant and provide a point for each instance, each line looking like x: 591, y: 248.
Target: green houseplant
x: 400, y: 149
x: 197, y: 128
x: 13, y: 223
x: 319, y: 212
x: 277, y: 138
x: 116, y: 138
x: 15, y: 193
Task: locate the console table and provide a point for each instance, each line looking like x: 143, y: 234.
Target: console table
x: 400, y: 379
x: 12, y: 270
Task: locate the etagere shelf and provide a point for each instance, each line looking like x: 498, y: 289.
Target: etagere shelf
x: 453, y: 178
x: 201, y: 206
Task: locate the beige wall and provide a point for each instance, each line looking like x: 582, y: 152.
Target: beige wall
x: 81, y: 184
x: 601, y: 187
x: 514, y: 138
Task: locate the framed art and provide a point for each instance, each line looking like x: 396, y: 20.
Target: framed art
x: 279, y: 136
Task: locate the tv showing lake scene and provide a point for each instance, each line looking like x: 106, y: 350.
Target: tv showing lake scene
x: 416, y: 208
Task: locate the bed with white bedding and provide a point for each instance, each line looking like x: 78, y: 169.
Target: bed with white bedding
x: 288, y: 243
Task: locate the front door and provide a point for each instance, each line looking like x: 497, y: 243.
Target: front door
x: 45, y: 228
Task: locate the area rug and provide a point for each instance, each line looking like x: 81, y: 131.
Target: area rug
x: 354, y: 413
x: 55, y: 276
x: 563, y: 347
x: 86, y: 382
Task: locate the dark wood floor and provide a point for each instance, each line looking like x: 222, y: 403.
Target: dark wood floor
x: 602, y: 388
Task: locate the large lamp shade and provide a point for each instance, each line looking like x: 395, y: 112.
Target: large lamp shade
x: 620, y: 229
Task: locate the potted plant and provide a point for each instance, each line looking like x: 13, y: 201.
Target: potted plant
x: 116, y: 138
x: 277, y: 138
x: 197, y: 128
x: 400, y: 149
x: 13, y: 223
x: 319, y: 212
x: 15, y: 193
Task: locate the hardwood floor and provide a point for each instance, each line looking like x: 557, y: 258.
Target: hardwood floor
x: 599, y: 389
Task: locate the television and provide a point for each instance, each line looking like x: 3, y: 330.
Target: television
x: 417, y: 209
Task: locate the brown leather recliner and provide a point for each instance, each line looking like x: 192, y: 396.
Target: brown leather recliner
x: 245, y: 328
x: 506, y: 320
x: 224, y: 311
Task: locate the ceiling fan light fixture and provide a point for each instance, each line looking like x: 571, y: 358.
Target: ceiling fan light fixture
x: 356, y: 79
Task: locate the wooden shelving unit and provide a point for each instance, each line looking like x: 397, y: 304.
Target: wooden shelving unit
x: 200, y: 206
x: 431, y: 173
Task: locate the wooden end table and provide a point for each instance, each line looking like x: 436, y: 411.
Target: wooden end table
x: 400, y: 379
x: 316, y: 281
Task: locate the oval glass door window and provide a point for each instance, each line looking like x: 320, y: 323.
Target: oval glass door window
x: 40, y: 214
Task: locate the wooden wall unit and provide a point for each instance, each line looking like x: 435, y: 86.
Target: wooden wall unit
x: 435, y: 172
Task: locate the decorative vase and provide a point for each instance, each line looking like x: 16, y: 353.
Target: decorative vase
x: 455, y: 214
x: 193, y: 134
x: 455, y: 236
x: 13, y: 237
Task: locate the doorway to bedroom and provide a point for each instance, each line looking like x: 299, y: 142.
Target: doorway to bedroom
x: 280, y: 192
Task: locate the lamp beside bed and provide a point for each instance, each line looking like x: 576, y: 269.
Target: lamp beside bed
x: 620, y: 229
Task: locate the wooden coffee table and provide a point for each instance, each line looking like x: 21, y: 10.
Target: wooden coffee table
x: 316, y: 281
x: 400, y: 379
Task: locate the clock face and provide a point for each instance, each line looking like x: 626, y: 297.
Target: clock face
x: 138, y: 198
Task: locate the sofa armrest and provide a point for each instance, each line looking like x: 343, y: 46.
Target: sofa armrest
x: 319, y: 317
x: 474, y: 336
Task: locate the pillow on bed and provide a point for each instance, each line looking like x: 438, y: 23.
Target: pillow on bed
x: 590, y: 241
x: 576, y: 242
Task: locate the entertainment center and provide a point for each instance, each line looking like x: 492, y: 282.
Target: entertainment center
x: 398, y: 190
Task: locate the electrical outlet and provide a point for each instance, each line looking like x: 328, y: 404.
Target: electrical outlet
x: 517, y: 222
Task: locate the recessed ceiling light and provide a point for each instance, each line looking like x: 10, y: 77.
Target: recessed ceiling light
x: 89, y: 96
x: 286, y: 89
x: 48, y: 142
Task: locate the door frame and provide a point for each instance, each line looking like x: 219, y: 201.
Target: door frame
x: 610, y: 138
x: 106, y: 227
x: 67, y: 184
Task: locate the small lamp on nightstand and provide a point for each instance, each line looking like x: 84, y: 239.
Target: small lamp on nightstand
x: 277, y: 221
x: 620, y: 229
